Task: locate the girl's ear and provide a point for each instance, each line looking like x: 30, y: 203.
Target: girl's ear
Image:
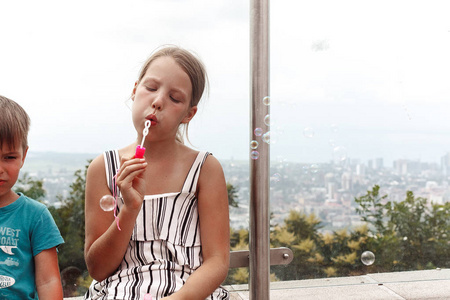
x: 191, y: 113
x: 134, y: 90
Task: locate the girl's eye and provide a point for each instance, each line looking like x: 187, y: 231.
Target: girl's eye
x: 175, y: 100
x: 151, y: 89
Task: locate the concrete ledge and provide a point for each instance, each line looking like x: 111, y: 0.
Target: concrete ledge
x: 428, y: 284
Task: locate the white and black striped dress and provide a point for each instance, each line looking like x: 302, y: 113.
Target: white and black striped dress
x: 165, y: 246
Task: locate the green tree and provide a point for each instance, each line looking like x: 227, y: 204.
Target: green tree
x: 33, y: 188
x: 406, y: 235
x: 300, y: 234
x: 70, y: 220
x: 232, y: 195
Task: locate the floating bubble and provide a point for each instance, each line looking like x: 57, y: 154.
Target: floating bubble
x: 276, y: 177
x: 258, y: 131
x: 267, y: 120
x: 254, y: 144
x: 266, y: 137
x: 281, y: 159
x: 254, y: 155
x: 107, y: 203
x: 305, y: 169
x: 407, y: 112
x: 339, y: 153
x: 320, y: 45
x: 334, y: 127
x: 266, y: 100
x: 367, y: 258
x: 332, y: 143
x: 308, y: 132
x: 314, y: 168
x: 280, y: 130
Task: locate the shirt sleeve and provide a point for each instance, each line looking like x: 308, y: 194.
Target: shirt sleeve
x: 45, y: 234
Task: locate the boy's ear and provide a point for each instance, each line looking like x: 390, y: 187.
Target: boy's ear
x: 23, y: 156
x: 191, y: 113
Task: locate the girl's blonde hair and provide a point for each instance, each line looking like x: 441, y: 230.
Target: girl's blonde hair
x: 193, y: 67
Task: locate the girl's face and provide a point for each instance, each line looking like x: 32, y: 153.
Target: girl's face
x: 162, y: 96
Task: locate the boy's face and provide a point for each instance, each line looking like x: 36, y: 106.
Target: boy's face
x: 11, y: 161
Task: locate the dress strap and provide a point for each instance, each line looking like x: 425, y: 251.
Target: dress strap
x: 112, y: 164
x: 190, y: 184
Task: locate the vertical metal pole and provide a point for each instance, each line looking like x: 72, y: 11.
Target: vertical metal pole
x: 259, y: 283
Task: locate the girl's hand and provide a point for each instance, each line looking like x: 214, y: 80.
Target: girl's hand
x: 131, y: 182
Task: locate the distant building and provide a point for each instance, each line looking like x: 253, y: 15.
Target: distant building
x: 401, y: 166
x: 445, y: 164
x: 346, y: 181
x: 379, y: 163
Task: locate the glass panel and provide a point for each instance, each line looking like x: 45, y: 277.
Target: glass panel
x: 359, y: 102
x: 358, y: 119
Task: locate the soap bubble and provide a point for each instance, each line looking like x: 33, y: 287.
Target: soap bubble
x: 305, y: 169
x: 254, y: 155
x: 314, y: 168
x: 266, y: 137
x: 367, y: 258
x: 308, y: 132
x: 332, y: 143
x: 267, y: 120
x: 107, y: 203
x: 254, y: 144
x: 258, y: 131
x: 334, y: 127
x: 266, y: 100
x: 339, y: 153
x: 276, y: 177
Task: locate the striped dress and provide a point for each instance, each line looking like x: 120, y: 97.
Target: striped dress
x: 165, y: 246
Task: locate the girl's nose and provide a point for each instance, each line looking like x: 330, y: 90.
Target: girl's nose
x: 157, y: 102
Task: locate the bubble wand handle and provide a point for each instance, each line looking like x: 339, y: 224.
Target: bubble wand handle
x: 140, y: 149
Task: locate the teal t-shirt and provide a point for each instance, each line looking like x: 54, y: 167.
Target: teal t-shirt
x: 26, y: 229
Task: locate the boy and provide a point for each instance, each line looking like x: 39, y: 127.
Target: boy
x: 28, y: 234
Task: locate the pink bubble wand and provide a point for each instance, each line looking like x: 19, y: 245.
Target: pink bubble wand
x: 140, y: 149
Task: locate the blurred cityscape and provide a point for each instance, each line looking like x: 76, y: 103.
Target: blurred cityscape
x: 326, y: 189
x: 329, y: 189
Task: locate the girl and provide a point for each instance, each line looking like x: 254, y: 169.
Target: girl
x: 171, y: 238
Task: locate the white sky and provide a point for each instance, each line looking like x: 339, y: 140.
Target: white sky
x: 370, y: 76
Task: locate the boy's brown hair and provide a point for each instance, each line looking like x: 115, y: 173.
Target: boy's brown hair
x: 14, y: 124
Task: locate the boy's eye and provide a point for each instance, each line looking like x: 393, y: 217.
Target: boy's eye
x: 10, y: 157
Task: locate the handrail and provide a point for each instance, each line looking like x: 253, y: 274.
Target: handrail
x: 278, y: 256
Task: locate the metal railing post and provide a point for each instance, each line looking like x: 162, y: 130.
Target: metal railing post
x: 259, y: 262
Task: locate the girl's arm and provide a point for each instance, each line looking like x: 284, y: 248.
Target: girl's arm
x: 48, y: 280
x: 215, y: 234
x: 105, y: 245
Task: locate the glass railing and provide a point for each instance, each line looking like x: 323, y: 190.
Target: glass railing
x: 358, y: 132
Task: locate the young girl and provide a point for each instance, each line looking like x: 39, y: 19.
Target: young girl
x: 170, y: 239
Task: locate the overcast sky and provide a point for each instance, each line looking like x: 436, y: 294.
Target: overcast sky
x: 365, y: 78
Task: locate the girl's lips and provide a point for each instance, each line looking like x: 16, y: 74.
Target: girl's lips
x: 152, y: 119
